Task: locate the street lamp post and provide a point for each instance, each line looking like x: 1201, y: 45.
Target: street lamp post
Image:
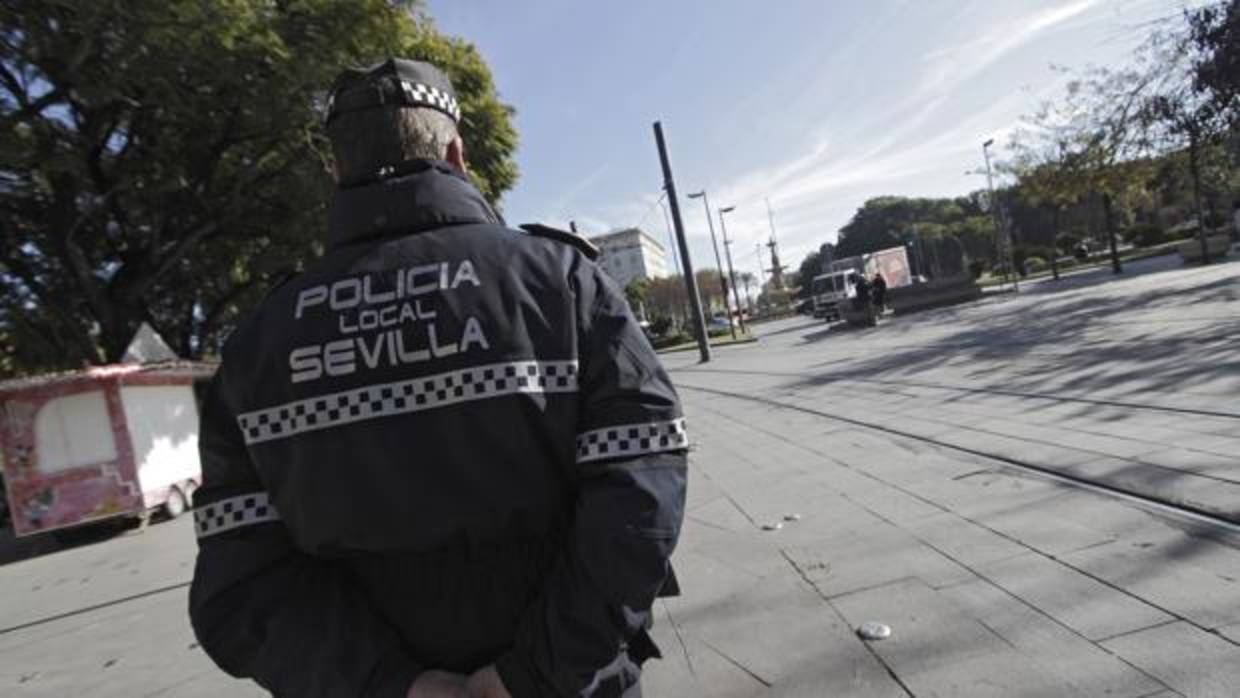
x: 1000, y: 237
x: 727, y: 251
x: 723, y: 283
x: 695, y: 302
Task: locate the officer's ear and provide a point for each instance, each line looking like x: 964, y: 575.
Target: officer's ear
x: 456, y: 154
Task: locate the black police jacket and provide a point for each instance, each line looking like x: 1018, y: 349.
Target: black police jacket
x: 445, y: 445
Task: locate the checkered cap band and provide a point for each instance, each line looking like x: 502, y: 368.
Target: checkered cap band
x: 234, y: 512
x: 402, y: 397
x: 394, y: 93
x: 624, y: 440
x: 417, y: 94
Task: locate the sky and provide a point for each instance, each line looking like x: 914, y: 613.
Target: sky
x: 812, y: 105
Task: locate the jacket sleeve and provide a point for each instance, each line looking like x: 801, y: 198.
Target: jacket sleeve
x: 592, y: 614
x: 264, y: 610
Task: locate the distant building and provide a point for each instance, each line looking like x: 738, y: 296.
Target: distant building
x: 631, y: 254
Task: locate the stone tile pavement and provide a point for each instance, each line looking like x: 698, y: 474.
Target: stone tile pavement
x: 995, y: 583
x: 801, y: 524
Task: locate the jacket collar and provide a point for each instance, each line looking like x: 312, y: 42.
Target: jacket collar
x: 422, y: 194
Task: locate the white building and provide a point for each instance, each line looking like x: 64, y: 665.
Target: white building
x: 631, y: 254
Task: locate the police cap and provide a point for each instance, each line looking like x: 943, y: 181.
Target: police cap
x: 396, y: 82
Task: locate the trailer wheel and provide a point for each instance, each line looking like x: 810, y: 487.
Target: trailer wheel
x: 176, y: 504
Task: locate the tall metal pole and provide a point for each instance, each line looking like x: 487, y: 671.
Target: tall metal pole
x: 727, y: 250
x: 669, y: 185
x: 671, y: 240
x: 994, y: 212
x: 723, y: 284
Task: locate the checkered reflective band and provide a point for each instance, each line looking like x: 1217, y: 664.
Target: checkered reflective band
x: 433, y: 97
x: 234, y: 512
x: 402, y: 397
x: 632, y: 440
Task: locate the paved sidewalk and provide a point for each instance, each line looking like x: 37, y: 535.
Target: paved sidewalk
x: 1129, y: 381
x: 995, y: 584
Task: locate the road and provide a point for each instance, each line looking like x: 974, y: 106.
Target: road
x: 927, y: 474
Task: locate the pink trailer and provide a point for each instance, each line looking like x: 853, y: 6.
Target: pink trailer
x: 100, y: 443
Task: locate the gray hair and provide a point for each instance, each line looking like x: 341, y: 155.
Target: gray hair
x: 364, y: 142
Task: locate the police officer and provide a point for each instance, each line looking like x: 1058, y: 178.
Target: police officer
x: 878, y: 291
x: 444, y: 461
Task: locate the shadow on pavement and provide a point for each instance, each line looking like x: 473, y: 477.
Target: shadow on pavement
x: 806, y: 322
x: 16, y: 549
x: 1030, y: 342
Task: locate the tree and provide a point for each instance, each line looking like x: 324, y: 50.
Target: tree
x: 890, y: 221
x: 1095, y: 131
x: 667, y: 298
x: 164, y: 160
x: 1214, y: 31
x: 1190, y: 108
x: 635, y: 293
x: 1191, y: 125
x: 877, y: 225
x: 711, y: 284
x: 746, y: 281
x: 1050, y: 173
x: 1115, y: 134
x: 810, y: 267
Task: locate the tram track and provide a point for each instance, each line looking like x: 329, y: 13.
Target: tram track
x: 1197, y: 515
x: 1031, y: 395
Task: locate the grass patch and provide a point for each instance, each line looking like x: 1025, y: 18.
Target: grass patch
x: 1128, y: 256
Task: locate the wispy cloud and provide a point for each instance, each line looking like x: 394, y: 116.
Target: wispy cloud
x: 917, y: 145
x: 561, y: 206
x: 824, y: 184
x: 952, y: 66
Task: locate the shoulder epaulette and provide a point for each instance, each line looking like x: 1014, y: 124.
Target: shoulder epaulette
x: 543, y: 231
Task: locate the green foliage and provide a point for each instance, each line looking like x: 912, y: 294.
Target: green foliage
x: 711, y: 283
x: 810, y: 267
x: 1028, y: 258
x: 635, y: 293
x: 890, y: 221
x: 164, y: 160
x: 661, y: 325
x: 1214, y: 30
x: 1148, y: 139
x: 977, y: 267
x: 880, y: 223
x: 486, y: 122
x: 667, y: 297
x: 1145, y: 234
x: 671, y: 340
